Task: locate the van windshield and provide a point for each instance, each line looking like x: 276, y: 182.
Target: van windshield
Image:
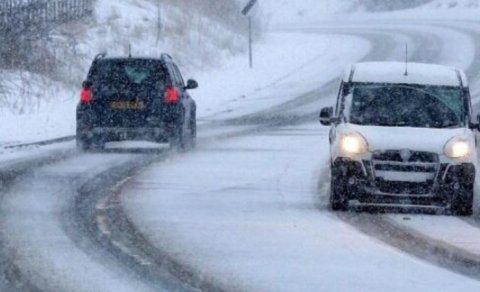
x: 398, y: 105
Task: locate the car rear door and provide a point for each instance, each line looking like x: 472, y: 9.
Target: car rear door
x: 127, y: 92
x: 179, y: 83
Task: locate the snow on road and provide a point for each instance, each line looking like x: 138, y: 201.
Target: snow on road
x: 249, y: 211
x: 11, y: 158
x: 34, y: 214
x: 252, y: 211
x: 445, y: 229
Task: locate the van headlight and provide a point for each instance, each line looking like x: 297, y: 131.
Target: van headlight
x: 457, y: 147
x: 353, y: 143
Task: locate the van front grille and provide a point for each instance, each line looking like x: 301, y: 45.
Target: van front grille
x: 405, y: 171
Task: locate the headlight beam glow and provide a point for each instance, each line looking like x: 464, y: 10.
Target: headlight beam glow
x: 353, y: 143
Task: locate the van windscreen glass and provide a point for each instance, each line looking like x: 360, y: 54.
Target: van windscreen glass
x: 399, y: 105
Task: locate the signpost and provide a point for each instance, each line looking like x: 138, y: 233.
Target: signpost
x: 246, y: 11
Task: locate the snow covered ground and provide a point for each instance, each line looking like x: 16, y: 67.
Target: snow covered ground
x: 54, y: 262
x: 269, y: 229
x: 285, y: 65
x: 249, y: 211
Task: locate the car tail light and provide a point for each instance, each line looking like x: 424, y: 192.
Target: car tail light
x: 86, y: 95
x: 171, y: 95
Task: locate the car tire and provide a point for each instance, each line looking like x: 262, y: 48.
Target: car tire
x: 338, y: 201
x: 83, y: 143
x: 462, y: 203
x: 193, y: 133
x: 184, y: 135
x: 177, y: 138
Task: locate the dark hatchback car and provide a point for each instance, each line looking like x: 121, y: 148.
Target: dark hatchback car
x: 136, y: 99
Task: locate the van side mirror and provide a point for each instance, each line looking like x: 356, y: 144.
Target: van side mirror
x: 477, y: 126
x: 326, y: 115
x: 87, y: 84
x: 191, y: 84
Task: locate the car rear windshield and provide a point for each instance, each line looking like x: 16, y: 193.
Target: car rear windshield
x: 399, y: 105
x: 124, y: 74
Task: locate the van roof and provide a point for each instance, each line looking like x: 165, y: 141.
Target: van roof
x: 394, y: 73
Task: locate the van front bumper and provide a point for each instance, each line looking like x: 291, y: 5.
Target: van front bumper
x: 433, y: 184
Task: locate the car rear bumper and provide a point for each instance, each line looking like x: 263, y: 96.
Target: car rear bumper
x: 105, y: 134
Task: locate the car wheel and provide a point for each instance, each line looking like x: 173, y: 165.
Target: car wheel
x: 184, y: 135
x: 462, y: 203
x: 83, y: 143
x: 177, y: 138
x: 193, y: 133
x: 338, y: 200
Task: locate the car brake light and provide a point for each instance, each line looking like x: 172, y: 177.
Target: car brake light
x: 86, y: 96
x: 171, y: 95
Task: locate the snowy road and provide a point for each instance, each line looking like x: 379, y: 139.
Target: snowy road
x: 257, y: 216
x: 247, y: 209
x: 256, y: 213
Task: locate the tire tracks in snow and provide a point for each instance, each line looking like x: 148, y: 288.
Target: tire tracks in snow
x: 11, y: 274
x: 108, y: 225
x: 270, y: 119
x: 112, y: 222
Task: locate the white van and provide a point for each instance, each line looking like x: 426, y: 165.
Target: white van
x: 402, y: 134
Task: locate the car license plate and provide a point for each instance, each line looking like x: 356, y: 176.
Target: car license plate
x: 127, y: 105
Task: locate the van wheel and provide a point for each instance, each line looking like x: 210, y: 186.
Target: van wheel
x: 462, y: 203
x: 338, y: 201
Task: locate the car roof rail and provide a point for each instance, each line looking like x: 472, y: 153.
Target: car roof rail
x: 352, y: 73
x: 460, y: 79
x: 100, y: 56
x: 165, y: 56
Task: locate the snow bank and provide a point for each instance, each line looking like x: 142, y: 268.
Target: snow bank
x: 34, y: 107
x: 453, y: 4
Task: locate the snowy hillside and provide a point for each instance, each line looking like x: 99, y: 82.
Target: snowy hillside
x: 44, y: 105
x: 209, y: 45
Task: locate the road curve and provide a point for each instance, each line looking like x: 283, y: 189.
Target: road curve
x: 437, y: 37
x: 121, y: 247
